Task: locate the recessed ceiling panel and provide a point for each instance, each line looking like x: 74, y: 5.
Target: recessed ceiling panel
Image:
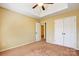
x: 26, y: 8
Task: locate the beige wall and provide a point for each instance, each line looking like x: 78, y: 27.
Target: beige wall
x: 50, y: 24
x: 15, y: 29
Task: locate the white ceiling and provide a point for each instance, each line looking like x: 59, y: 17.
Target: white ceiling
x: 26, y: 8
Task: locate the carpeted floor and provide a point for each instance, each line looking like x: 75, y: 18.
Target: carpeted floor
x: 40, y: 49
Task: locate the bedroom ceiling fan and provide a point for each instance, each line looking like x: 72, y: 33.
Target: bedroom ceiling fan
x: 41, y: 5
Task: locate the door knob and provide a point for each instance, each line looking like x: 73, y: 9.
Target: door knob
x: 35, y: 32
x: 63, y: 33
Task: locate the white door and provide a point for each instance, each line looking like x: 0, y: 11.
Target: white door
x: 70, y: 32
x: 38, y: 32
x: 58, y: 32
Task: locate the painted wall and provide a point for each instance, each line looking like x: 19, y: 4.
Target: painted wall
x: 50, y: 24
x: 15, y: 29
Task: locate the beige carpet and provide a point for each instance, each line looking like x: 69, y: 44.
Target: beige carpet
x: 40, y: 49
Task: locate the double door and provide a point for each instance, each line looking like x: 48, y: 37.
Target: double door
x: 65, y: 32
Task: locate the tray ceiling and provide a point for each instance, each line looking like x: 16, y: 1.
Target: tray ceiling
x: 26, y: 8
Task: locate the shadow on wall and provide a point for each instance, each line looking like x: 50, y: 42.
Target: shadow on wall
x: 1, y: 16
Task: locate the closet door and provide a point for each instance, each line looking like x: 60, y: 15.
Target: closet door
x: 38, y: 32
x: 58, y: 32
x: 70, y: 32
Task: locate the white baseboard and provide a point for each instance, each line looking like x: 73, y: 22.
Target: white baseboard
x: 77, y: 48
x: 16, y: 46
x: 62, y: 45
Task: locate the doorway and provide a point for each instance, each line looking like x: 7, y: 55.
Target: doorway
x: 43, y: 31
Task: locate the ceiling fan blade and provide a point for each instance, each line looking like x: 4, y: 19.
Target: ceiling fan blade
x: 35, y: 6
x: 48, y: 3
x: 43, y: 7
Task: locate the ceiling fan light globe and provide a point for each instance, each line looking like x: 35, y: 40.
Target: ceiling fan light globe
x: 40, y: 4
